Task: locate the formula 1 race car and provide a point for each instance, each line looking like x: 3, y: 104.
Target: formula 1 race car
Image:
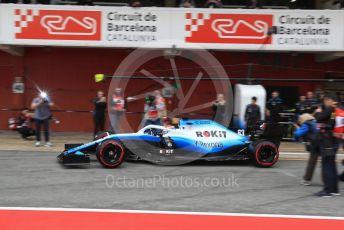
x: 192, y: 140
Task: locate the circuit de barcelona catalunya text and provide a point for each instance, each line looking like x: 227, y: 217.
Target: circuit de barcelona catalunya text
x: 192, y: 140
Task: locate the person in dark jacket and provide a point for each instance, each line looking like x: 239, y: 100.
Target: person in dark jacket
x: 308, y: 131
x: 311, y: 102
x: 274, y: 107
x: 301, y: 106
x: 252, y: 113
x: 219, y: 108
x: 325, y: 117
x: 99, y: 112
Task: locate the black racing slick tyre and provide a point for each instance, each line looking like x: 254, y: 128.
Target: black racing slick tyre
x: 110, y: 154
x: 265, y: 154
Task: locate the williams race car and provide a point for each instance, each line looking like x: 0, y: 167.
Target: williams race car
x: 192, y: 140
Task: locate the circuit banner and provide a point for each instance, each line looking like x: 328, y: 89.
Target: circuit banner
x: 225, y: 29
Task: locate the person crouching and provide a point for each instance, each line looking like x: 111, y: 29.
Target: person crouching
x: 308, y: 131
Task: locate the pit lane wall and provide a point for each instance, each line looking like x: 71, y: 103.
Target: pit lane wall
x: 224, y: 29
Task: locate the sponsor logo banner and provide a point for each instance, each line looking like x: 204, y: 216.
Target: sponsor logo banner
x: 57, y: 24
x: 228, y: 28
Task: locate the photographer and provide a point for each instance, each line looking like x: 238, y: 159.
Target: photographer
x: 325, y: 116
x: 307, y: 130
x: 41, y: 106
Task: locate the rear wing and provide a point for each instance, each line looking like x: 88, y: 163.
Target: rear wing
x: 267, y: 131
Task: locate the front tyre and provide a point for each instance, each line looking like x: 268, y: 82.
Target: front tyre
x: 265, y: 154
x: 110, y: 154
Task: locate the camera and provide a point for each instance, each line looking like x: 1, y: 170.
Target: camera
x: 44, y: 96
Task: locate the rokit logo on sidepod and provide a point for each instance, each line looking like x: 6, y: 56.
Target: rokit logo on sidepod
x: 57, y: 24
x: 228, y: 28
x: 211, y: 133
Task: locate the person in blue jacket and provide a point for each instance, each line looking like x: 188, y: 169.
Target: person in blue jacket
x: 307, y: 130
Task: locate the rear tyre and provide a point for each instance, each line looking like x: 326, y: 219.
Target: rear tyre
x: 265, y: 154
x: 110, y: 154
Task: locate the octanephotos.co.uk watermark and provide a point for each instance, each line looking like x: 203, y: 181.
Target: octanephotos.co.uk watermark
x: 228, y: 181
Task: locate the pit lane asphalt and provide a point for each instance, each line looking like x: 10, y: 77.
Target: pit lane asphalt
x: 35, y: 179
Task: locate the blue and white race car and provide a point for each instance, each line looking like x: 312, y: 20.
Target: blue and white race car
x: 192, y: 140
